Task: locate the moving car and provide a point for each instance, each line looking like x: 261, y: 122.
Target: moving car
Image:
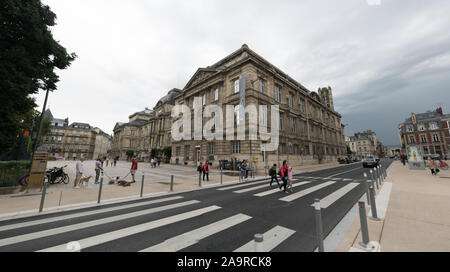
x: 370, y: 161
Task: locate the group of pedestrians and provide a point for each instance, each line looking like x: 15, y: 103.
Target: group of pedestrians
x: 204, y: 169
x: 154, y: 162
x: 285, y: 174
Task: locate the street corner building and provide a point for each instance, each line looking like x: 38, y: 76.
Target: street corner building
x: 429, y: 131
x: 73, y: 141
x: 310, y: 130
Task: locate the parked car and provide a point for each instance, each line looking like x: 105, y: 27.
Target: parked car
x: 370, y: 161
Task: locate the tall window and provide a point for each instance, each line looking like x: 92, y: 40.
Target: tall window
x: 281, y: 122
x: 424, y: 139
x: 261, y: 85
x: 263, y: 116
x: 292, y: 121
x: 211, y: 148
x: 435, y: 138
x: 178, y: 151
x: 277, y: 94
x: 425, y: 150
x: 235, y: 147
x: 290, y: 100
x: 216, y: 94
x: 187, y: 151
x: 301, y: 103
x: 236, y: 86
x: 411, y: 140
x: 433, y: 126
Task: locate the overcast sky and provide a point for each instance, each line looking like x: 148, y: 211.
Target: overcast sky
x: 382, y: 61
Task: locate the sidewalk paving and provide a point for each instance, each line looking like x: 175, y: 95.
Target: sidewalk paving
x: 417, y: 217
x: 62, y: 196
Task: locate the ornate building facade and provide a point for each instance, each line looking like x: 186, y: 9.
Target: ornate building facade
x: 310, y: 129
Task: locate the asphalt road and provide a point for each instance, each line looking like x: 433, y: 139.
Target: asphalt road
x: 218, y: 219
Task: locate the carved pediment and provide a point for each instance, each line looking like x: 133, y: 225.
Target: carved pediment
x: 200, y: 75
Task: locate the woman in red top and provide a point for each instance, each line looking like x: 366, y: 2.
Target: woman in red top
x: 206, y: 171
x: 133, y: 168
x: 284, y: 175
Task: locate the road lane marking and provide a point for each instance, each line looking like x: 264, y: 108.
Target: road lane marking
x: 243, y: 185
x: 114, y: 235
x: 255, y: 188
x: 358, y: 168
x: 278, y: 189
x: 192, y: 237
x: 307, y: 191
x: 272, y: 239
x: 74, y: 227
x: 331, y: 198
x: 80, y: 214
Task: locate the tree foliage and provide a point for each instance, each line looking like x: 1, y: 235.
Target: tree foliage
x: 28, y: 58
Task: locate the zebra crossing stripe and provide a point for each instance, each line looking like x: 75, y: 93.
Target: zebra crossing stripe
x: 273, y: 191
x: 74, y: 227
x: 302, y: 193
x: 192, y: 237
x: 242, y: 185
x: 330, y: 199
x: 272, y: 239
x: 254, y: 188
x: 110, y: 236
x: 80, y: 214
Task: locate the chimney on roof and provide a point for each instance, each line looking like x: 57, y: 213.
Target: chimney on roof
x: 439, y: 111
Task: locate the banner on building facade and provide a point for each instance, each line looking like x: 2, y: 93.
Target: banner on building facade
x: 415, y: 158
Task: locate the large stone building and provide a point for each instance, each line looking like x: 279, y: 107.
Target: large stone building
x: 363, y: 144
x: 310, y: 129
x: 73, y: 141
x: 430, y: 131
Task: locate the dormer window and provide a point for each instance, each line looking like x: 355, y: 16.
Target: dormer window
x: 410, y: 128
x: 421, y: 127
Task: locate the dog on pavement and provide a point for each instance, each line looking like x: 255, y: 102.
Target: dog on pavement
x: 84, y: 181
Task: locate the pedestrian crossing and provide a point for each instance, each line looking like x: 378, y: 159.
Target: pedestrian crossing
x: 112, y: 224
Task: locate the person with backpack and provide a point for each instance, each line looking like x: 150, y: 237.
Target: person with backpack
x: 206, y: 171
x: 284, y: 175
x: 290, y: 178
x: 273, y: 175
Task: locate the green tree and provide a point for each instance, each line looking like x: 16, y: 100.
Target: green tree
x: 28, y: 58
x: 129, y: 153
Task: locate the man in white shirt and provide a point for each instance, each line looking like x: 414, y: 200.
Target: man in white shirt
x: 79, y: 172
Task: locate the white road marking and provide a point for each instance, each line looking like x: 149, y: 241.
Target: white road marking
x: 243, y: 185
x: 192, y: 237
x: 273, y: 191
x: 344, y: 172
x: 331, y: 198
x: 307, y: 191
x: 256, y: 188
x: 80, y: 214
x: 74, y: 227
x: 272, y: 239
x: 110, y: 236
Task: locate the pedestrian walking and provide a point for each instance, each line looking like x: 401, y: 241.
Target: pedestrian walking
x: 159, y: 161
x: 152, y: 163
x: 79, y: 172
x: 284, y: 175
x: 134, y: 167
x: 107, y: 161
x: 115, y: 161
x: 273, y: 175
x: 98, y: 168
x: 200, y: 168
x: 243, y: 171
x: 206, y: 171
